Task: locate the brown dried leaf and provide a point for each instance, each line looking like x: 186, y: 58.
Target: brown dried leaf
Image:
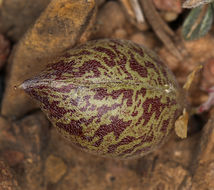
x: 191, y: 77
x: 181, y: 125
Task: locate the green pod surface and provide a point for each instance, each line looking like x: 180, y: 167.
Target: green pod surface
x: 110, y: 97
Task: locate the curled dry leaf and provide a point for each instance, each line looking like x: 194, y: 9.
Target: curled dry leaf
x: 181, y: 125
x: 191, y: 77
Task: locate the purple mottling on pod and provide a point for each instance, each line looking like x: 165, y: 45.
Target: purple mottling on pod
x: 110, y: 97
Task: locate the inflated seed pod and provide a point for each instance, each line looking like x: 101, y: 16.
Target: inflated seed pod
x: 110, y: 97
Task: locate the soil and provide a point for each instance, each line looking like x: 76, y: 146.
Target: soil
x: 34, y: 156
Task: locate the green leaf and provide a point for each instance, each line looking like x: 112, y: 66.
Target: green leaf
x: 195, y: 3
x: 198, y: 22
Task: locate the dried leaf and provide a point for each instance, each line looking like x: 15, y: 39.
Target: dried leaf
x: 181, y: 125
x: 198, y: 22
x: 191, y: 77
x: 195, y: 3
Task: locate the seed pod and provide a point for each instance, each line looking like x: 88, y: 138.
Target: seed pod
x: 109, y: 97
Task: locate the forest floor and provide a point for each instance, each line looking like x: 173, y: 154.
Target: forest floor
x: 33, y: 156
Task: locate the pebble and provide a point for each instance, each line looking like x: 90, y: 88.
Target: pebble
x: 168, y: 5
x: 55, y: 168
x: 110, y: 17
x: 146, y: 39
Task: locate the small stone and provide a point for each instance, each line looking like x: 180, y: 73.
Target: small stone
x: 55, y: 168
x: 53, y: 33
x: 109, y: 19
x: 170, y: 60
x: 169, y: 16
x: 143, y: 26
x: 17, y: 16
x: 168, y: 5
x: 146, y: 39
x: 120, y: 33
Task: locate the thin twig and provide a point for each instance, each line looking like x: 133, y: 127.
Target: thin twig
x: 160, y: 27
x: 138, y: 12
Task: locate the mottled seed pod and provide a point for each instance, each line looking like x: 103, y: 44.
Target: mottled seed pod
x: 110, y: 97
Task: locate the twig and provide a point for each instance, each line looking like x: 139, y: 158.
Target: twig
x: 160, y: 27
x: 138, y: 12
